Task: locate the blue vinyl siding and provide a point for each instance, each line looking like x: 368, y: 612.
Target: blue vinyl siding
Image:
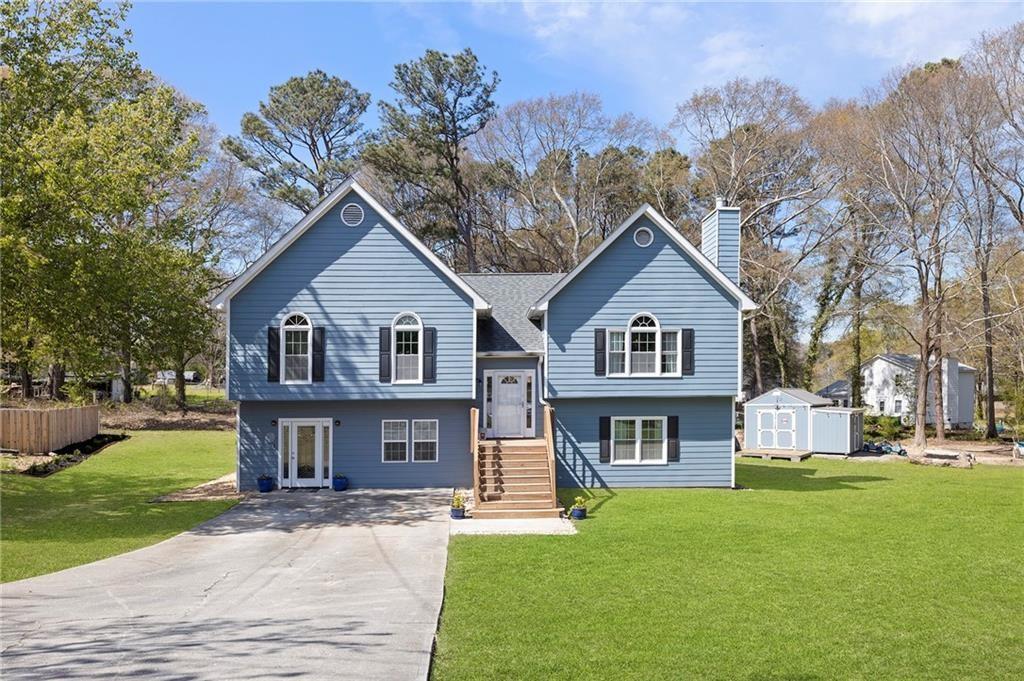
x: 350, y: 280
x: 622, y: 281
x: 357, y: 441
x: 705, y: 443
x: 720, y: 241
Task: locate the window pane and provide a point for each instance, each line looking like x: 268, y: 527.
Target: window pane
x: 669, y: 352
x: 616, y: 341
x: 652, y: 437
x: 617, y: 363
x: 625, y: 429
x: 424, y: 430
x: 326, y: 434
x: 286, y: 440
x: 407, y: 368
x: 394, y: 451
x: 395, y: 430
x: 296, y: 368
x: 424, y: 451
x: 643, y: 345
x: 407, y: 320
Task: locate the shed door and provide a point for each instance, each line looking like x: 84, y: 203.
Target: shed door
x: 785, y: 430
x: 766, y: 429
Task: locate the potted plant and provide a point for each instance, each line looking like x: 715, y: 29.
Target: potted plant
x: 578, y: 510
x: 340, y: 482
x: 265, y: 483
x: 458, y: 506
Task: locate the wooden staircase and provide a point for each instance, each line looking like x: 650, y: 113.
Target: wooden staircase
x: 515, y: 478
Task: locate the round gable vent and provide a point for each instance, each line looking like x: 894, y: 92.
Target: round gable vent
x: 643, y: 237
x: 352, y: 214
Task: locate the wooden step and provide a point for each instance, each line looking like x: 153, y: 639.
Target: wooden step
x: 513, y: 455
x: 515, y: 442
x: 515, y: 475
x: 516, y: 483
x: 542, y: 499
x: 516, y: 503
x: 511, y: 513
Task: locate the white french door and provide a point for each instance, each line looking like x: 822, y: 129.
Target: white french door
x: 304, y: 452
x: 776, y: 429
x: 508, y: 403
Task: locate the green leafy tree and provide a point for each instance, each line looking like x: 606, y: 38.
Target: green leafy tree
x: 442, y: 101
x: 305, y: 140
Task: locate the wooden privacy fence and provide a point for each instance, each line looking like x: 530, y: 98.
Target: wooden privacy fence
x: 32, y: 431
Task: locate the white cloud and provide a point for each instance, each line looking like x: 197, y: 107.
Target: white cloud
x: 904, y: 32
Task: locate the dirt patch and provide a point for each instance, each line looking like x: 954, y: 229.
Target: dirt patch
x: 142, y: 416
x: 221, y: 488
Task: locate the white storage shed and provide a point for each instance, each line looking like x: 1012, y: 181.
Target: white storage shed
x: 794, y: 419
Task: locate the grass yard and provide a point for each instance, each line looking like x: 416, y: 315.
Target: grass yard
x: 100, y: 507
x: 823, y: 570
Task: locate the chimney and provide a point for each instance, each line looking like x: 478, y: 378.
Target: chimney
x: 720, y: 238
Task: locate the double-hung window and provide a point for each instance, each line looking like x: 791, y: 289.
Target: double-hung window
x: 296, y: 353
x: 644, y: 349
x: 424, y: 440
x: 639, y: 440
x: 394, y: 441
x: 408, y: 353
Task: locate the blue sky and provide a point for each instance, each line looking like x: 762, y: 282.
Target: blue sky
x: 639, y: 57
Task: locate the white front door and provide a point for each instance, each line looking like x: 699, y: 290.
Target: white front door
x: 304, y: 452
x: 509, y: 404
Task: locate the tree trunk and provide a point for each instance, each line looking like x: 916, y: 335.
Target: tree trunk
x: 179, y: 386
x: 26, y: 381
x: 126, y: 376
x: 938, y: 400
x: 755, y: 350
x: 990, y: 388
x: 56, y: 382
x: 921, y: 408
x: 856, y: 380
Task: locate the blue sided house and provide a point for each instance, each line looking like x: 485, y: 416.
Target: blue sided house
x: 352, y: 348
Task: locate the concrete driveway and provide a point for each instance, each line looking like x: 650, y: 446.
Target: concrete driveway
x: 310, y: 585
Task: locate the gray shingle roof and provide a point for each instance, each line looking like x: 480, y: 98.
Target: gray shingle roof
x: 840, y: 388
x: 804, y: 396
x: 510, y: 296
x: 908, y: 362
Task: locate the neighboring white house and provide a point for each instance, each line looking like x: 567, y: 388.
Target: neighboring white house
x: 888, y: 387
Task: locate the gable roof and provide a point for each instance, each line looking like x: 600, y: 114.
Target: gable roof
x: 669, y: 229
x: 797, y: 394
x: 903, y: 361
x: 321, y: 209
x: 509, y: 329
x: 840, y: 388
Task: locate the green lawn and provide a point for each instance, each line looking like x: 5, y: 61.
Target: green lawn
x: 100, y: 507
x: 824, y: 570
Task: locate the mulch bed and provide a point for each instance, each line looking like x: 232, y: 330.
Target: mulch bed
x: 41, y: 466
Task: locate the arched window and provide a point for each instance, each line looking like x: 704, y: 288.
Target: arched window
x: 643, y: 348
x: 407, y: 330
x: 643, y: 344
x: 296, y: 350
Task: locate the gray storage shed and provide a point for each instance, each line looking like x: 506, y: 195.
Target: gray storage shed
x: 780, y: 419
x: 790, y: 418
x: 837, y: 430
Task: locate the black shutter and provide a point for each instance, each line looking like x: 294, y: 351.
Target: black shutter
x: 273, y: 354
x: 687, y: 347
x: 605, y: 435
x: 318, y: 354
x: 599, y: 356
x: 673, y: 438
x: 385, y: 354
x: 430, y: 355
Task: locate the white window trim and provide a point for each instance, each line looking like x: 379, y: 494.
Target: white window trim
x: 628, y: 341
x: 383, y: 441
x: 394, y: 348
x: 636, y: 461
x: 436, y: 440
x: 308, y: 328
x: 637, y: 231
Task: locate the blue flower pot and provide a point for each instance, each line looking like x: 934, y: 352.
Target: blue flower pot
x: 578, y: 513
x: 265, y: 485
x: 458, y: 513
x: 339, y: 484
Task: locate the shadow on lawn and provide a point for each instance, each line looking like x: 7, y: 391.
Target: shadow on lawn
x: 784, y: 478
